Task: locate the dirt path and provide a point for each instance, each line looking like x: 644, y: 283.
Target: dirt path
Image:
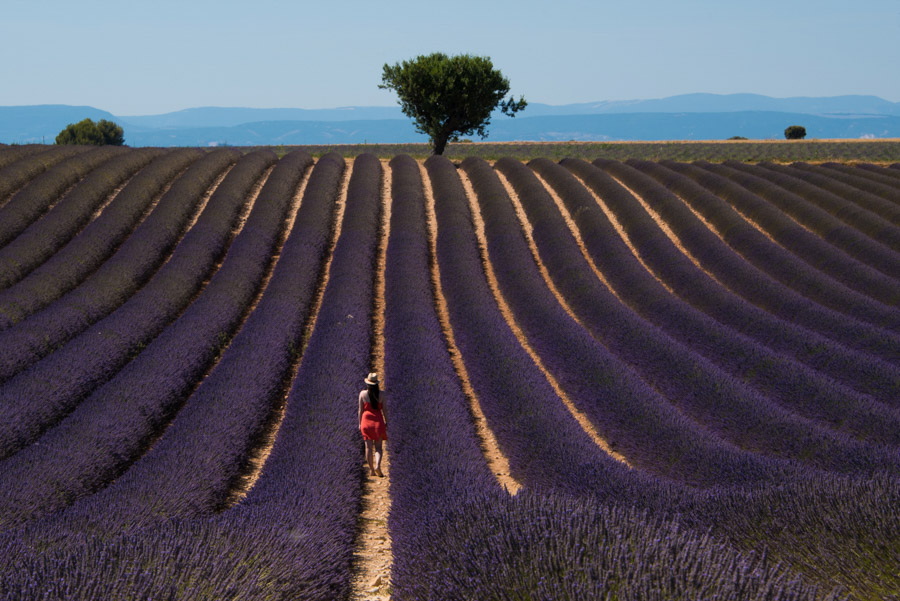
x: 496, y: 460
x: 372, y: 558
x: 579, y: 416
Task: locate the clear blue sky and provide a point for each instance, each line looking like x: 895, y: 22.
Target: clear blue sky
x: 138, y: 57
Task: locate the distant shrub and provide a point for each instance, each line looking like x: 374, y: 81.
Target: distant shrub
x: 795, y: 132
x: 737, y: 138
x: 87, y: 132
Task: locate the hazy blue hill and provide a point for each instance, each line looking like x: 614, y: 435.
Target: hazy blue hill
x: 284, y: 132
x: 214, y: 116
x: 685, y: 117
x: 725, y: 103
x: 634, y: 126
x: 686, y: 103
x: 29, y: 124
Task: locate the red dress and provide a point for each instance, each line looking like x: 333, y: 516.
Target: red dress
x: 371, y: 424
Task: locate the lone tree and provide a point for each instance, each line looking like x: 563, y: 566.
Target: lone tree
x: 795, y: 132
x: 87, y: 132
x: 449, y: 96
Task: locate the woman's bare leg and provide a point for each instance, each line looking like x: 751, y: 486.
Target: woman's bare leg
x: 369, y: 457
x: 378, y: 452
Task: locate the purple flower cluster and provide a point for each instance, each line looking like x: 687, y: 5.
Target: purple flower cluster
x: 44, y: 237
x: 81, y: 256
x: 38, y: 397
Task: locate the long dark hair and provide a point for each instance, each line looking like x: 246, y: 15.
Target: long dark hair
x: 374, y: 393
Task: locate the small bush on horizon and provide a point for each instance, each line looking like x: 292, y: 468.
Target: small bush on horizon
x: 795, y: 132
x: 86, y: 132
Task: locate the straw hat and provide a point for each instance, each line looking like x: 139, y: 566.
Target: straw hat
x: 372, y: 379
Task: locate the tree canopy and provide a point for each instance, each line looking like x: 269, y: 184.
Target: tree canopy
x: 89, y: 133
x: 449, y: 96
x: 795, y: 132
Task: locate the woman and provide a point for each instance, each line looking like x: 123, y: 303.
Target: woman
x: 372, y: 415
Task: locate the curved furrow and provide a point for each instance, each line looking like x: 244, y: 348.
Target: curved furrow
x: 437, y: 459
x: 115, y: 424
x: 497, y: 462
x: 45, y: 237
x: 789, y: 234
x: 85, y: 253
x: 11, y: 154
x: 731, y: 271
x: 716, y: 389
x: 523, y: 409
x: 882, y: 175
x: 779, y: 190
x: 507, y: 312
x: 723, y: 406
x: 310, y: 488
x: 870, y: 214
x: 859, y: 371
x: 199, y: 460
x: 765, y: 254
x: 858, y: 186
x: 41, y: 395
x: 302, y: 292
x: 16, y: 175
x: 117, y: 279
x: 775, y: 374
x: 44, y: 191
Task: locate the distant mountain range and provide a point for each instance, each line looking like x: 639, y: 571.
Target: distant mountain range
x: 685, y: 117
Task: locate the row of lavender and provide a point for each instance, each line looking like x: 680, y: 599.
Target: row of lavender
x: 457, y: 499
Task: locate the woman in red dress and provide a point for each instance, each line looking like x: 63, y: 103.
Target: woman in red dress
x: 372, y: 424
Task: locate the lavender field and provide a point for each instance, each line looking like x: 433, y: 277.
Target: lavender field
x: 619, y: 379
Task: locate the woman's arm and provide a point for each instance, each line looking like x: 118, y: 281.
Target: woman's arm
x: 384, y: 410
x: 359, y: 410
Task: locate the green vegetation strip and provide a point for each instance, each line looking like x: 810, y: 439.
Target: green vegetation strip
x: 782, y: 151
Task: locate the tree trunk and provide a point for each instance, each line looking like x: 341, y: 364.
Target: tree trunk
x: 440, y: 142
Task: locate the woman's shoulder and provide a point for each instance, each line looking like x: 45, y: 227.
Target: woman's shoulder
x: 363, y: 395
